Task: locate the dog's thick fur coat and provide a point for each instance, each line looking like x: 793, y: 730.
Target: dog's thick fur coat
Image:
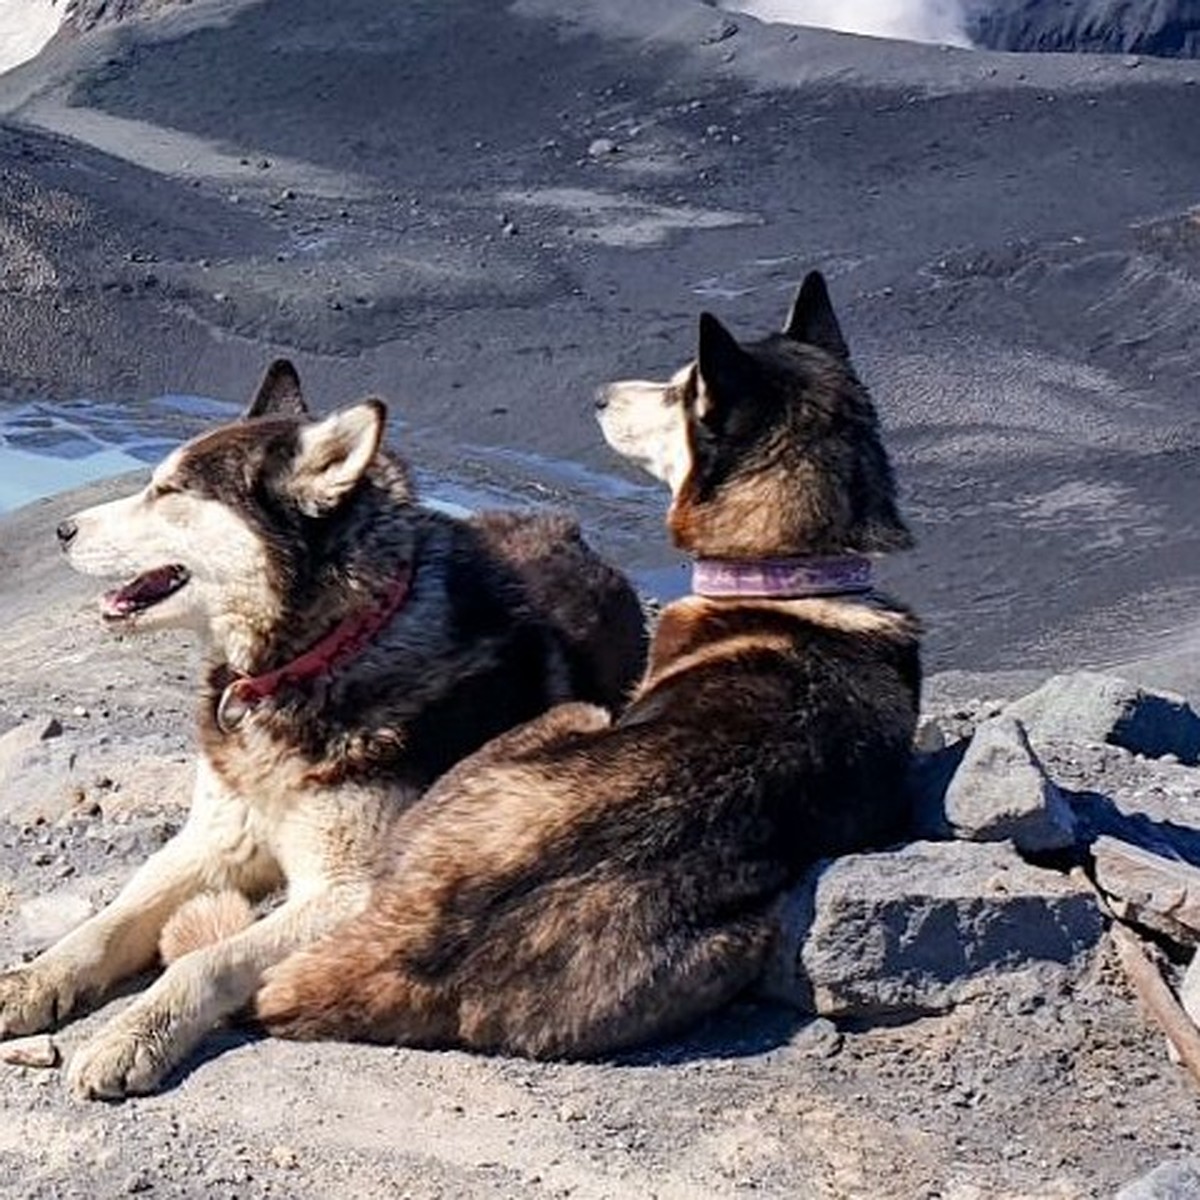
x: 581, y: 885
x: 265, y: 535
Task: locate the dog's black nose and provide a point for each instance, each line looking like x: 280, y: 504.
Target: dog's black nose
x: 66, y: 533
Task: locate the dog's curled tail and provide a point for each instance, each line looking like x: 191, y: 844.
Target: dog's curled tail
x: 204, y: 919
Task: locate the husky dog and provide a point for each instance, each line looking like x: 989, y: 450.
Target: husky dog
x: 582, y: 883
x: 359, y: 646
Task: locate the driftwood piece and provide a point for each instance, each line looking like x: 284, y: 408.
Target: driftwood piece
x: 1158, y: 998
x: 1161, y: 893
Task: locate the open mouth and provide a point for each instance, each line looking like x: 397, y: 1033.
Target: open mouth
x: 147, y: 590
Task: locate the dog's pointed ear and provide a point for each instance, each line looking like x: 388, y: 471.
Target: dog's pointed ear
x: 279, y: 394
x: 726, y: 371
x: 812, y: 319
x: 334, y: 454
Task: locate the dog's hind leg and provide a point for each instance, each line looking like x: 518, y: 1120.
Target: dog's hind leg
x: 215, y: 849
x: 352, y: 987
x: 133, y: 1052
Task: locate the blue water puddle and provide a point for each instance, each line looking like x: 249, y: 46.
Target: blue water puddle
x: 26, y: 476
x: 49, y: 448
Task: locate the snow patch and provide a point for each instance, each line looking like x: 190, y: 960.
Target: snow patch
x: 941, y: 21
x: 25, y: 27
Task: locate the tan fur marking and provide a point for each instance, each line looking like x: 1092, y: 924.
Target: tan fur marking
x: 203, y: 921
x: 852, y: 616
x: 732, y: 647
x: 867, y: 616
x: 746, y: 522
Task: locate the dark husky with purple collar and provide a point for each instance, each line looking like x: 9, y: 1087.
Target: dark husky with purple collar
x: 580, y: 884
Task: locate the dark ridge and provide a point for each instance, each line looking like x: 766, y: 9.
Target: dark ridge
x: 1166, y: 28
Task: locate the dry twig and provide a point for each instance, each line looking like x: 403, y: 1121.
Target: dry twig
x: 1158, y: 997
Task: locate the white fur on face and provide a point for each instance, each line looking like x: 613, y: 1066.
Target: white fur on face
x: 154, y: 528
x: 647, y: 423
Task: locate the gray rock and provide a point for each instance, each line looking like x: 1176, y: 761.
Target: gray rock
x: 1161, y: 893
x: 1000, y: 792
x: 1088, y: 707
x: 923, y: 928
x: 1178, y: 1179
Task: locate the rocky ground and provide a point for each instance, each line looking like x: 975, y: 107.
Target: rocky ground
x: 954, y: 1022
x: 483, y: 210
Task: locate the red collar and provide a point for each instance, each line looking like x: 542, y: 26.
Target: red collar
x: 345, y: 643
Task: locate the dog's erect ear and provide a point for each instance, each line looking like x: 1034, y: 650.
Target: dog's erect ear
x: 726, y: 370
x: 333, y: 455
x: 812, y: 319
x: 279, y: 393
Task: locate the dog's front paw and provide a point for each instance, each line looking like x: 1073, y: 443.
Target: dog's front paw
x: 122, y: 1060
x: 32, y: 1000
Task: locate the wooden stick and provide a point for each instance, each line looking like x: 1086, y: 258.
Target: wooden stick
x: 1158, y: 997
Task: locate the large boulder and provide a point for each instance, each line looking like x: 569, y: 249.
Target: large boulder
x: 1085, y: 706
x: 918, y: 930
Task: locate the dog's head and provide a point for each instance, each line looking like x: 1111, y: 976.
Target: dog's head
x: 224, y: 535
x: 770, y: 447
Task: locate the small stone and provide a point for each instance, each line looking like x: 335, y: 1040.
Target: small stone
x: 284, y: 1157
x: 929, y: 738
x: 80, y: 711
x: 600, y: 147
x: 39, y: 1051
x: 820, y: 1038
x: 139, y: 1181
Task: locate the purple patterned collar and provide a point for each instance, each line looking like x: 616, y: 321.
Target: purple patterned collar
x: 782, y: 578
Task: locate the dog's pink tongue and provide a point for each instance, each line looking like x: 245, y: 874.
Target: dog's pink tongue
x: 145, y: 590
